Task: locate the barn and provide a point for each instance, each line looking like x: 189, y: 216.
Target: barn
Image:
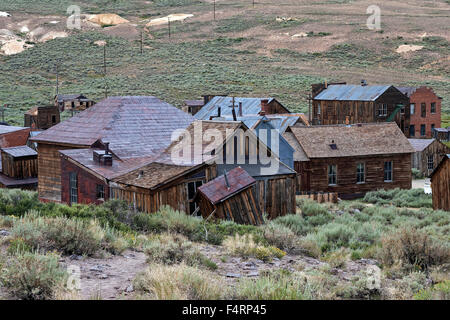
x: 440, y: 185
x: 428, y: 154
x: 351, y: 104
x: 351, y: 159
x: 230, y: 197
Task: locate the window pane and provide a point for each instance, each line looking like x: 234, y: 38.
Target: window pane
x: 388, y: 171
x: 332, y: 176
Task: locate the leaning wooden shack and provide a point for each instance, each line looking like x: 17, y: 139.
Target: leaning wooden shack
x: 440, y: 185
x: 230, y: 197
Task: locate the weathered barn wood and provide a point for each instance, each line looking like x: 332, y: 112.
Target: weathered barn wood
x: 76, y: 102
x: 440, y: 185
x: 19, y: 168
x: 230, y: 197
x: 42, y: 117
x: 349, y: 104
x: 352, y: 160
x: 429, y: 153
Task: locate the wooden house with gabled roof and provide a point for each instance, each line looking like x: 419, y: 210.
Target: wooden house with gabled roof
x: 351, y: 159
x: 134, y: 126
x: 440, y: 184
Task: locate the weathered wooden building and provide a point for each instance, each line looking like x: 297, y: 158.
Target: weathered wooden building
x: 192, y: 106
x: 425, y: 111
x: 11, y: 136
x: 350, y: 104
x: 442, y: 134
x: 76, y: 102
x: 440, y: 185
x: 428, y: 154
x: 42, y: 117
x: 230, y: 197
x: 19, y: 168
x: 136, y: 127
x: 235, y: 146
x: 351, y: 159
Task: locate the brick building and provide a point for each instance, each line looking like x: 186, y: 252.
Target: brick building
x: 425, y: 111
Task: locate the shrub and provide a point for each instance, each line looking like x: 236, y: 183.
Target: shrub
x: 338, y: 258
x: 312, y: 208
x: 18, y: 246
x: 440, y: 291
x: 32, y: 276
x: 279, y: 236
x: 416, y: 174
x: 414, y: 198
x: 295, y: 222
x: 179, y: 282
x: 410, y: 247
x: 173, y: 249
x: 245, y: 247
x: 70, y: 236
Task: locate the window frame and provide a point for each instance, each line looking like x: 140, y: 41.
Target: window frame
x: 412, y: 130
x: 383, y: 110
x: 73, y: 187
x: 412, y: 108
x: 332, y: 174
x: 424, y: 127
x: 100, y: 190
x: 423, y: 110
x: 430, y: 156
x: 358, y: 173
x: 433, y: 108
x: 391, y: 171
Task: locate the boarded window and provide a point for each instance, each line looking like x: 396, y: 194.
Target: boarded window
x: 73, y: 186
x: 388, y: 171
x: 332, y: 175
x: 430, y: 162
x: 423, y: 110
x: 360, y: 173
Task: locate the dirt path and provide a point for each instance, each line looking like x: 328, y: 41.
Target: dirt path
x: 107, y: 278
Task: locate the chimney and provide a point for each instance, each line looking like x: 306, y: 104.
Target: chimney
x: 363, y: 83
x: 226, y: 179
x: 219, y: 112
x: 326, y: 84
x: 265, y: 107
x: 233, y: 111
x: 240, y: 109
x: 106, y: 148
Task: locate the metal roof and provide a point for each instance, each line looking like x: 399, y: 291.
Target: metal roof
x: 8, y: 129
x: 250, y: 106
x: 407, y: 91
x: 352, y: 92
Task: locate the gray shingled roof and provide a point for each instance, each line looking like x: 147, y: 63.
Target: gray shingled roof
x: 420, y: 144
x: 136, y: 126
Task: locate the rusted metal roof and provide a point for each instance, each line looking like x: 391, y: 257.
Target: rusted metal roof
x: 8, y: 129
x: 420, y: 144
x: 352, y: 92
x: 217, y: 190
x: 21, y: 151
x: 352, y: 140
x: 407, y: 91
x: 250, y: 106
x: 135, y: 126
x: 11, y: 182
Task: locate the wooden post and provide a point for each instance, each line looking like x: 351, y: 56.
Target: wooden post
x: 142, y: 42
x: 57, y: 79
x: 310, y: 111
x: 104, y: 71
x: 214, y: 10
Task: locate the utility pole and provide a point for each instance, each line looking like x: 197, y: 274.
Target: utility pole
x: 168, y: 22
x: 253, y: 3
x: 57, y: 78
x: 214, y: 10
x: 142, y: 42
x: 104, y: 71
x: 309, y: 105
x: 2, y: 110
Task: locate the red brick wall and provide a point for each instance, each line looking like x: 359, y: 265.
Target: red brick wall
x: 87, y: 184
x: 14, y: 139
x: 427, y: 96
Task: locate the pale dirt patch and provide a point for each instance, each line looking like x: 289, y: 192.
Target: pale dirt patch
x: 172, y: 17
x: 109, y: 278
x: 4, y: 14
x: 53, y: 35
x: 14, y: 47
x: 107, y: 19
x: 404, y: 48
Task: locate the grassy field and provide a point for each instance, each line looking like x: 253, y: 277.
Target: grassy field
x: 324, y: 251
x: 246, y: 51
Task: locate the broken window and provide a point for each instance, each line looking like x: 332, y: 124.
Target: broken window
x: 192, y: 190
x: 100, y: 192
